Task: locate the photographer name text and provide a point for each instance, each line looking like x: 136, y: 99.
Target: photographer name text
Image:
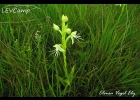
x: 118, y: 93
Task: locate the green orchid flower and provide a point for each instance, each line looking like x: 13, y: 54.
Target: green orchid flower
x: 74, y: 35
x: 56, y: 27
x: 64, y: 18
x: 68, y: 31
x: 57, y: 50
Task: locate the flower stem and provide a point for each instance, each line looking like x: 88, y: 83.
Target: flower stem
x: 65, y: 63
x: 64, y: 47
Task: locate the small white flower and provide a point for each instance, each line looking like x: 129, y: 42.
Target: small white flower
x: 73, y: 35
x: 57, y: 49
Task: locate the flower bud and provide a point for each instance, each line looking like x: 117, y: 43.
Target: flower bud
x: 68, y: 31
x: 55, y: 27
x: 64, y: 18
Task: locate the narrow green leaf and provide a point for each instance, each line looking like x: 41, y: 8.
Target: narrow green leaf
x: 61, y: 80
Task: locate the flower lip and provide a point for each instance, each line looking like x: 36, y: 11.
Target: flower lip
x: 57, y: 46
x: 57, y: 50
x: 73, y: 35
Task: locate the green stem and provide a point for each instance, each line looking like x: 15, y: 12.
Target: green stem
x: 67, y: 39
x: 65, y: 64
x: 64, y: 47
